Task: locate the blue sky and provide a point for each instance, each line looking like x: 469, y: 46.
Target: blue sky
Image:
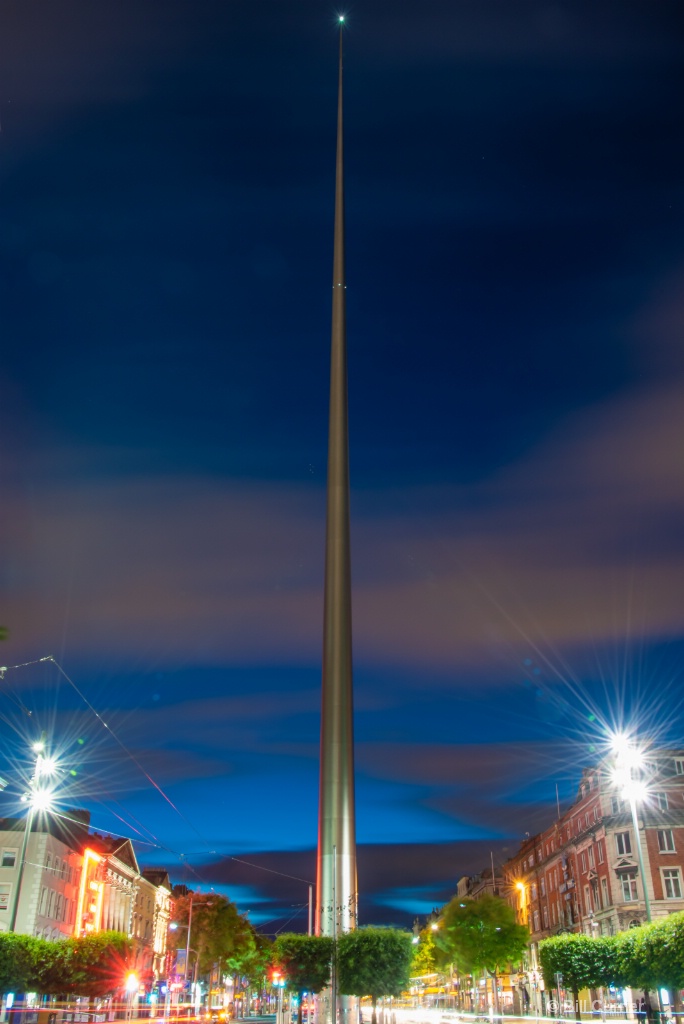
x: 515, y: 269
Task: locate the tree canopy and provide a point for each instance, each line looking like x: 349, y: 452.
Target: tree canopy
x: 94, y: 965
x: 425, y: 959
x: 481, y: 935
x: 374, y: 962
x: 306, y: 961
x: 648, y: 957
x: 219, y: 932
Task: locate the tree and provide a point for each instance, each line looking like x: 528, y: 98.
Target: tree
x: 17, y: 961
x: 256, y: 958
x: 305, y: 960
x: 424, y: 954
x: 652, y: 956
x: 374, y: 962
x: 583, y: 961
x: 98, y: 963
x: 481, y: 935
x: 219, y: 932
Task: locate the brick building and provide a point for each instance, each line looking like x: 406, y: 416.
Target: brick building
x: 582, y: 873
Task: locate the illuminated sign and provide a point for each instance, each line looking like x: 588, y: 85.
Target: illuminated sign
x: 90, y: 895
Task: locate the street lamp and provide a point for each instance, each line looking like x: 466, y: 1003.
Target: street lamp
x: 627, y: 758
x: 38, y: 799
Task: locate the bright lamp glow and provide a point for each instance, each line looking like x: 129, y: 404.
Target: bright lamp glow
x: 41, y: 800
x: 131, y: 982
x: 46, y: 766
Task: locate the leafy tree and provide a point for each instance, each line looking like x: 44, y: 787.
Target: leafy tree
x: 256, y: 958
x: 652, y: 956
x: 305, y: 960
x: 17, y: 961
x: 219, y: 932
x: 374, y: 962
x: 481, y: 935
x: 584, y: 962
x: 98, y: 963
x: 424, y: 954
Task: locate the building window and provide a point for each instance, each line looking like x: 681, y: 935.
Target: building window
x: 672, y: 883
x: 604, y: 892
x: 586, y: 819
x: 679, y: 765
x: 533, y: 891
x: 535, y: 919
x: 666, y: 840
x: 590, y: 854
x: 583, y: 861
x: 587, y: 900
x: 58, y: 906
x: 531, y: 859
x: 56, y: 867
x: 596, y: 813
x: 545, y: 914
x: 623, y: 843
x: 43, y: 899
x: 542, y: 886
x: 629, y: 886
x: 48, y: 861
x: 661, y: 801
x: 50, y: 903
x: 579, y: 824
x: 9, y: 858
x: 553, y: 913
x: 599, y: 851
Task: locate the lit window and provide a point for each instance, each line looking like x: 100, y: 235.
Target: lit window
x: 666, y: 840
x: 629, y: 886
x: 672, y: 883
x: 623, y: 843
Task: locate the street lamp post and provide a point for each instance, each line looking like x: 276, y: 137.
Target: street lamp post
x: 37, y: 799
x: 627, y: 758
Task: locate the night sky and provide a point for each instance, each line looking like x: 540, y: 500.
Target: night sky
x: 515, y: 272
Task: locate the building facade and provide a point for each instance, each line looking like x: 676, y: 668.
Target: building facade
x: 582, y: 873
x: 74, y: 883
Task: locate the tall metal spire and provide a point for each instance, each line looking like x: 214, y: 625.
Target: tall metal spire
x: 336, y: 890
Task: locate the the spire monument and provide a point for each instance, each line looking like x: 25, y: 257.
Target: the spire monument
x: 336, y: 889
